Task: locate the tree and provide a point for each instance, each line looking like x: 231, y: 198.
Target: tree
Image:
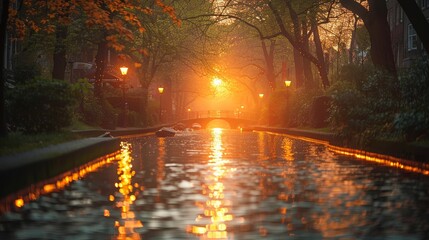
x: 375, y: 21
x: 3, y: 26
x: 114, y: 19
x: 297, y: 44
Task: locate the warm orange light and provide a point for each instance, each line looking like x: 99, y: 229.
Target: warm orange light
x: 127, y: 225
x: 368, y: 156
x: 160, y: 90
x: 216, y: 82
x: 33, y: 192
x: 261, y: 95
x: 215, y: 207
x: 189, y: 109
x: 124, y: 70
x: 288, y: 83
x: 106, y: 213
x: 19, y: 202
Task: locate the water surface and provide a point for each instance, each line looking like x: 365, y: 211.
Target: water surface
x: 229, y: 185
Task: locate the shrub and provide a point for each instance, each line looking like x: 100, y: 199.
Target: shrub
x: 110, y: 116
x: 41, y: 105
x: 412, y: 121
x: 364, y: 108
x: 300, y: 107
x: 25, y: 73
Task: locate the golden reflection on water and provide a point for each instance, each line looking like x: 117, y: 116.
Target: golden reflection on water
x: 58, y: 183
x: 216, y: 207
x: 389, y: 161
x: 287, y: 149
x: 128, y: 223
x: 160, y: 166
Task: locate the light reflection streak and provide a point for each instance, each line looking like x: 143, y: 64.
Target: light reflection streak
x: 389, y: 161
x: 127, y: 224
x: 287, y: 149
x: 55, y: 184
x: 160, y: 162
x: 216, y: 207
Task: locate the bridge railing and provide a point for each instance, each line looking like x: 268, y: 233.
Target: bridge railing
x: 219, y: 114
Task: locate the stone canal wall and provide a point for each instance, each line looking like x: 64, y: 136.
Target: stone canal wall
x: 21, y: 170
x: 403, y: 150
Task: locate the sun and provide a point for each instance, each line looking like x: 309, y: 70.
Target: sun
x: 216, y: 82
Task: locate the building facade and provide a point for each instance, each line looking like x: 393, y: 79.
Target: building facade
x: 406, y: 45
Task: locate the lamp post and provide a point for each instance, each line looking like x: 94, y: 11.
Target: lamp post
x: 160, y: 90
x: 124, y: 71
x: 260, y: 111
x: 287, y: 84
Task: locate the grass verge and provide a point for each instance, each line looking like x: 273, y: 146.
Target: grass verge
x: 18, y: 142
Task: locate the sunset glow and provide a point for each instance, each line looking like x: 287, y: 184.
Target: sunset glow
x: 216, y: 82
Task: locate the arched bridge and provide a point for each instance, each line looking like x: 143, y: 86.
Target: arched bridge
x: 235, y: 119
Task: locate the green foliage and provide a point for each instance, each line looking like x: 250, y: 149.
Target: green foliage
x: 91, y: 111
x: 17, y: 142
x: 300, y: 103
x: 277, y: 109
x: 413, y: 120
x: 26, y: 73
x: 110, y: 116
x: 364, y: 107
x: 41, y: 106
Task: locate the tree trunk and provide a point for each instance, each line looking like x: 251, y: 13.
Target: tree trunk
x: 59, y: 57
x: 419, y: 21
x: 298, y: 59
x: 100, y: 66
x: 143, y: 107
x: 269, y: 61
x: 3, y: 25
x: 381, y: 44
x: 375, y: 21
x: 309, y: 81
x: 296, y: 44
x: 353, y: 43
x: 321, y: 65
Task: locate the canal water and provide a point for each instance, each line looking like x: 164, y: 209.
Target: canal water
x: 226, y: 184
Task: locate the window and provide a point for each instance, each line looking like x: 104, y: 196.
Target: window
x: 401, y: 15
x: 412, y: 38
x: 425, y: 4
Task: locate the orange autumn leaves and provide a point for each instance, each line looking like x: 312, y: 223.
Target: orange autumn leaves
x: 120, y: 18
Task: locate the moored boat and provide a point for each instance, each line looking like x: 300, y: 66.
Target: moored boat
x: 196, y: 126
x: 165, y: 132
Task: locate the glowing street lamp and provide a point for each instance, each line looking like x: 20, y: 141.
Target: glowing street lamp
x: 287, y: 83
x: 160, y: 90
x: 124, y: 71
x: 261, y: 95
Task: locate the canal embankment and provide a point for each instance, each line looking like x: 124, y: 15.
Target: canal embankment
x: 401, y: 150
x: 20, y: 170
